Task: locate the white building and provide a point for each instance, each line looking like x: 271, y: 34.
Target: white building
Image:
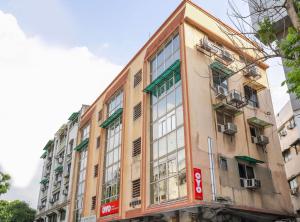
x: 58, y: 156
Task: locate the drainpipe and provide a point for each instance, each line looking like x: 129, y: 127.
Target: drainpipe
x: 212, y: 168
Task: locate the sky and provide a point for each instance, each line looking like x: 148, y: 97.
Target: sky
x: 51, y: 50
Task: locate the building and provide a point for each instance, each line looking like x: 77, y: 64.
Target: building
x: 289, y: 134
x: 179, y: 136
x: 54, y: 195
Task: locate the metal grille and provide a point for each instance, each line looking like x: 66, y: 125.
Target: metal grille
x: 137, y: 78
x: 136, y: 187
x: 136, y: 149
x: 98, y: 142
x: 93, y: 207
x: 96, y: 169
x: 137, y: 111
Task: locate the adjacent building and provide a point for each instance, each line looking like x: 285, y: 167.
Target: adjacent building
x: 180, y: 135
x: 58, y: 156
x: 289, y: 133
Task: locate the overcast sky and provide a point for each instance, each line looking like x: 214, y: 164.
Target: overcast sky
x: 56, y: 55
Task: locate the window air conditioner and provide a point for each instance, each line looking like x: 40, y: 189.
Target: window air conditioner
x: 229, y: 129
x: 261, y: 140
x: 252, y: 183
x: 221, y: 92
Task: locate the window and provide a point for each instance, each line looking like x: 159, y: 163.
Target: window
x: 111, y: 175
x: 251, y: 96
x: 100, y: 115
x: 287, y: 155
x: 293, y: 183
x: 56, y: 196
x: 69, y: 168
x: 223, y: 119
x: 136, y: 149
x: 255, y: 132
x: 96, y: 168
x: 246, y: 172
x: 220, y: 79
x: 115, y: 103
x: 62, y: 215
x: 223, y: 163
x: 93, y: 205
x: 98, y: 142
x: 85, y: 131
x: 80, y: 184
x: 168, y: 169
x: 137, y: 111
x: 136, y: 187
x: 71, y: 146
x: 165, y: 57
x: 137, y: 78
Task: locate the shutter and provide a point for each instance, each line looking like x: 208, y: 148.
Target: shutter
x: 137, y: 78
x: 136, y: 149
x: 137, y: 111
x: 136, y: 188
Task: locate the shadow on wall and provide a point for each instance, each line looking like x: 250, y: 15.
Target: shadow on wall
x: 29, y: 193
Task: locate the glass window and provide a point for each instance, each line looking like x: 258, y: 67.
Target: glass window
x: 245, y: 172
x: 115, y: 103
x: 168, y: 174
x: 251, y: 96
x: 287, y: 156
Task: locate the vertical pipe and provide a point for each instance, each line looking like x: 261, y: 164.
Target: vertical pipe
x: 211, y: 168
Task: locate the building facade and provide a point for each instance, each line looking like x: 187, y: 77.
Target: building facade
x: 180, y: 136
x: 289, y: 133
x: 58, y: 156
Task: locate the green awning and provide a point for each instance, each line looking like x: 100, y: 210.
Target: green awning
x: 258, y: 122
x: 74, y: 116
x: 220, y: 68
x: 50, y: 142
x: 249, y: 159
x: 175, y: 67
x: 59, y: 169
x: 112, y: 117
x: 44, y: 181
x: 229, y: 109
x: 44, y: 155
x: 82, y: 145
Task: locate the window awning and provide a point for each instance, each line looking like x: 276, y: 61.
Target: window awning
x: 50, y: 142
x: 59, y: 169
x: 249, y: 159
x: 73, y: 116
x: 175, y: 67
x: 255, y: 85
x: 220, y: 68
x: 259, y: 123
x: 224, y: 107
x: 44, y: 155
x: 110, y: 119
x: 44, y: 181
x: 82, y: 145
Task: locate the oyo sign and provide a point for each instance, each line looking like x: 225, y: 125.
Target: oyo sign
x: 109, y: 208
x: 198, y: 184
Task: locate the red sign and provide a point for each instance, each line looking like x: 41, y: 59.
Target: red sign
x: 198, y: 184
x: 109, y: 208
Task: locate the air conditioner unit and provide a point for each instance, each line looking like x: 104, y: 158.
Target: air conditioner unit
x: 235, y: 97
x: 252, y: 183
x: 283, y: 133
x: 251, y: 71
x: 208, y: 46
x: 226, y: 56
x: 291, y: 126
x: 66, y: 174
x: 229, y: 129
x: 65, y: 192
x: 60, y: 160
x: 221, y: 92
x: 261, y: 140
x: 294, y: 191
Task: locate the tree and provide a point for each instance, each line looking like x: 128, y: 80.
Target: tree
x: 16, y: 211
x: 4, y: 183
x: 267, y: 43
